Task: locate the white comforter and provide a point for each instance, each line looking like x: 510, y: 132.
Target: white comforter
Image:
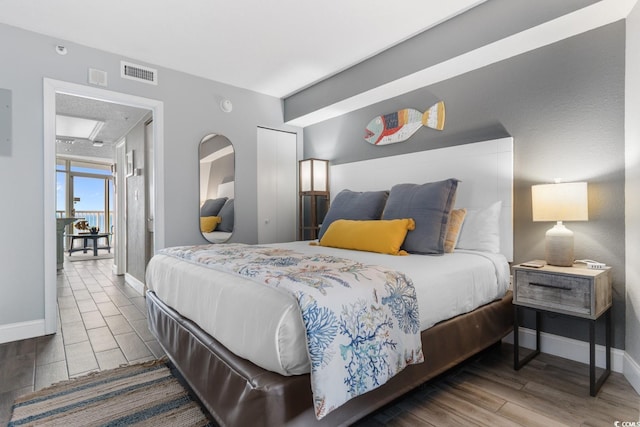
x: 264, y: 325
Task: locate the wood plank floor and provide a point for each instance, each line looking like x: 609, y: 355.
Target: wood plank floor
x: 102, y: 324
x: 486, y: 391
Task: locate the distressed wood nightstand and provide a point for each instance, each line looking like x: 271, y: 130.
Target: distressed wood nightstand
x: 572, y: 291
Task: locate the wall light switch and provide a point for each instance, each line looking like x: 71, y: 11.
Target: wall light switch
x: 5, y: 116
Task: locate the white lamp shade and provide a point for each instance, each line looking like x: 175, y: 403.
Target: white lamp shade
x: 314, y: 175
x: 560, y: 202
x: 305, y: 175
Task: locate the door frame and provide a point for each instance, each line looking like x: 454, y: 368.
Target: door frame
x: 50, y: 88
x: 120, y: 265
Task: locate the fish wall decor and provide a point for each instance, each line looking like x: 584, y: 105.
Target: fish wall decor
x: 401, y: 125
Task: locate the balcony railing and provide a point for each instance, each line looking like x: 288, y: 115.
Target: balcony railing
x: 95, y: 218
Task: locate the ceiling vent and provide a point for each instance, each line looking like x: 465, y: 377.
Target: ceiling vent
x: 138, y: 72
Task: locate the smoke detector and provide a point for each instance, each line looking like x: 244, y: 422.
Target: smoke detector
x: 226, y: 105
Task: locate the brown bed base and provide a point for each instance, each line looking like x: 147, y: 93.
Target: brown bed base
x: 238, y: 393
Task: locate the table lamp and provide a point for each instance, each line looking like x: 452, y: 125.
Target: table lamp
x: 559, y: 202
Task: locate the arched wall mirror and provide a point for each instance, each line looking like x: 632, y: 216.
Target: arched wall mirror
x: 217, y: 189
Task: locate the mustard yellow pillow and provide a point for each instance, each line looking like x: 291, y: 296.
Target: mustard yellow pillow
x: 382, y: 236
x: 209, y: 223
x: 456, y: 218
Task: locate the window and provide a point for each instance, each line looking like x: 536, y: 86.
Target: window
x: 85, y: 190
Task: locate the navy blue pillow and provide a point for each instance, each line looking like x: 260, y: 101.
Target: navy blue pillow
x: 226, y: 215
x: 364, y: 205
x: 211, y: 207
x: 429, y: 205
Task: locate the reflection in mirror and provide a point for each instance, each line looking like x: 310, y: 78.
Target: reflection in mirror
x: 217, y: 193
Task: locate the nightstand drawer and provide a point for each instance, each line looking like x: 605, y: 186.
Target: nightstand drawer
x: 562, y: 292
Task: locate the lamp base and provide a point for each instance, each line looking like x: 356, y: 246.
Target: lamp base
x: 558, y: 247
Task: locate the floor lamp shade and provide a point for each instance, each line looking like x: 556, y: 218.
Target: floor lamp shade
x: 559, y: 202
x: 314, y: 175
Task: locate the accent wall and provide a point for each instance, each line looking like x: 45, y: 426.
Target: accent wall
x: 564, y: 106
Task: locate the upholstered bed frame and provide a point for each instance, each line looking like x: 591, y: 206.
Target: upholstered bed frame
x: 238, y: 393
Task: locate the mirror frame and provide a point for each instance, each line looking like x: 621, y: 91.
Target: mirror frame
x: 219, y: 151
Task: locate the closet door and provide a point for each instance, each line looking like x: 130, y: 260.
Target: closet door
x: 277, y: 184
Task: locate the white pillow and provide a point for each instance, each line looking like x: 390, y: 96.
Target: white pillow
x: 481, y: 229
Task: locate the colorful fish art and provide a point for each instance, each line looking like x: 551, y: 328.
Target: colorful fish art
x: 400, y: 126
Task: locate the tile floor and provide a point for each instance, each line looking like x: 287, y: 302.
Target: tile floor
x: 102, y: 325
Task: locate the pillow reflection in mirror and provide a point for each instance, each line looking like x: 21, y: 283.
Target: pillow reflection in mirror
x: 209, y: 223
x: 211, y: 207
x: 226, y: 215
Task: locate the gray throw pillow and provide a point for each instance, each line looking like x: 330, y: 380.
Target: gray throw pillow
x: 226, y: 215
x: 363, y: 205
x: 429, y: 205
x: 211, y: 207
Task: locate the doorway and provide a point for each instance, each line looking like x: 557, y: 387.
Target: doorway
x: 88, y: 133
x: 51, y: 88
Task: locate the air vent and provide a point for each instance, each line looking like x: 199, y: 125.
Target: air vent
x: 138, y: 72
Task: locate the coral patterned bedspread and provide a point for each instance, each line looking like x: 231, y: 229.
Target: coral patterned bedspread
x: 362, y: 321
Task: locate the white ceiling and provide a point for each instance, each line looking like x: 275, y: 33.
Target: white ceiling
x: 118, y: 121
x: 274, y: 47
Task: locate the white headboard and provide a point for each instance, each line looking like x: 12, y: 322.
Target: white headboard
x: 485, y: 170
x: 226, y: 189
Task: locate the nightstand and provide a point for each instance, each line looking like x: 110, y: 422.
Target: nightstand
x: 572, y: 291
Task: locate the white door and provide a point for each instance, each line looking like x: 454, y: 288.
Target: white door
x: 277, y: 186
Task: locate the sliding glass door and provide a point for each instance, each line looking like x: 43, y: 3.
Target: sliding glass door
x: 90, y: 201
x: 85, y: 190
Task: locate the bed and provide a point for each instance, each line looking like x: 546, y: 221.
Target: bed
x: 256, y: 371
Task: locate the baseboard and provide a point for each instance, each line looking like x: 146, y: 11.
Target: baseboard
x: 21, y: 330
x: 116, y: 268
x: 134, y: 283
x: 569, y: 348
x: 632, y: 372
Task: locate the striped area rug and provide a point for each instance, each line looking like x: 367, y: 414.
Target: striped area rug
x: 142, y: 395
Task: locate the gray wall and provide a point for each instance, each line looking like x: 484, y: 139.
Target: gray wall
x: 484, y: 24
x: 136, y: 204
x: 564, y: 106
x: 190, y: 112
x: 632, y: 205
